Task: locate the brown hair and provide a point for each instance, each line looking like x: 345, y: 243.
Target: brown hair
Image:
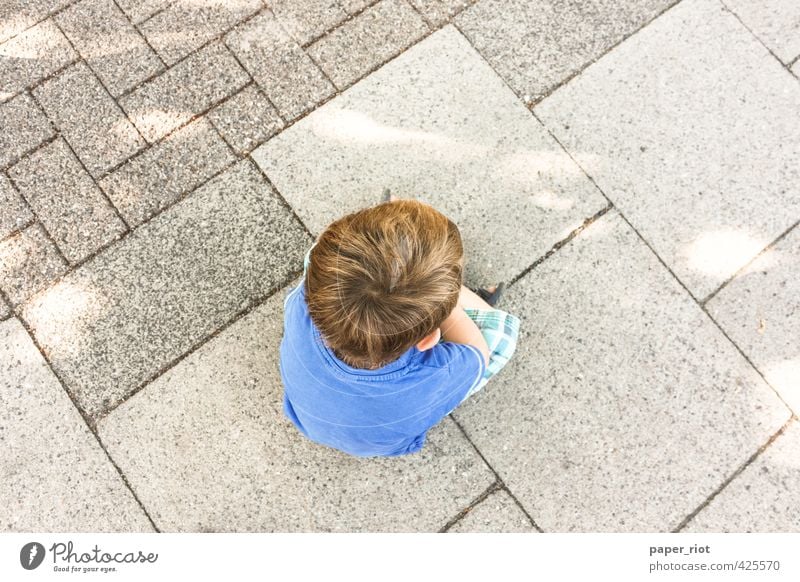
x: 381, y: 279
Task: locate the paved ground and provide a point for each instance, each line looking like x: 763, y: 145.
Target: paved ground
x: 632, y: 166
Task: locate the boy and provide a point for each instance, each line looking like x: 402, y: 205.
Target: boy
x: 381, y: 340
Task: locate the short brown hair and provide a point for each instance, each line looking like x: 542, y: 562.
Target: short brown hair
x: 381, y: 279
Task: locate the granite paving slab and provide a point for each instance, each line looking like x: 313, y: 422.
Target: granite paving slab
x: 18, y: 15
x: 184, y: 91
x: 161, y: 175
x: 354, y: 6
x: 277, y: 63
x: 691, y: 129
x: 796, y: 69
x: 105, y: 37
x: 624, y: 406
x: 123, y: 317
x: 23, y: 126
x: 775, y: 22
x: 437, y: 124
x: 496, y: 514
x: 437, y: 12
x: 207, y: 448
x: 535, y: 46
x: 185, y: 25
x: 29, y: 261
x: 765, y: 497
x: 101, y: 135
x: 305, y: 20
x: 369, y: 39
x: 139, y: 10
x: 32, y: 56
x: 760, y: 311
x: 64, y: 488
x: 246, y: 120
x: 5, y: 309
x: 69, y: 204
x: 14, y: 213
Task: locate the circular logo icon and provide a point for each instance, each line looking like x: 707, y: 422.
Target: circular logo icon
x: 31, y: 555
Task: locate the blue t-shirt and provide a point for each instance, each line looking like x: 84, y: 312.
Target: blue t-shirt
x: 381, y: 412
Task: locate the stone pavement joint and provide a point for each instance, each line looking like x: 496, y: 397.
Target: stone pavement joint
x: 496, y: 486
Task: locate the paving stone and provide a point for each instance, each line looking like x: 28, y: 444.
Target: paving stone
x: 624, y: 406
x: 369, y: 39
x: 286, y: 74
x: 32, y: 56
x: 760, y: 310
x: 440, y: 11
x: 353, y: 6
x: 437, y: 124
x: 18, y: 15
x: 796, y: 69
x: 535, y: 46
x: 246, y: 120
x: 23, y: 126
x: 163, y: 174
x: 67, y: 201
x: 29, y: 262
x: 188, y: 24
x: 5, y: 309
x: 139, y: 10
x: 184, y: 91
x: 100, y: 134
x: 64, y: 488
x: 691, y: 129
x: 108, y: 41
x: 116, y: 321
x: 207, y: 448
x: 763, y: 498
x: 496, y: 514
x: 306, y: 20
x: 775, y: 22
x: 14, y: 213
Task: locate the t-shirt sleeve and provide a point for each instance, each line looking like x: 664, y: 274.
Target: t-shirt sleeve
x: 465, y: 369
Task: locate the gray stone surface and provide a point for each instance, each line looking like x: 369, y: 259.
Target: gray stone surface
x: 5, y: 309
x: 496, y: 514
x: 286, y: 74
x: 760, y: 311
x: 246, y: 120
x: 32, y: 56
x: 23, y: 126
x: 366, y: 41
x: 18, y: 15
x: 113, y: 48
x: 775, y: 22
x: 139, y: 10
x: 796, y: 69
x: 186, y: 25
x: 207, y: 448
x: 624, y: 407
x: 437, y: 12
x: 158, y: 177
x: 69, y: 485
x: 306, y: 20
x: 691, y: 129
x: 535, y: 46
x: 130, y: 312
x: 437, y: 124
x: 29, y: 261
x: 189, y: 88
x: 353, y: 6
x: 67, y: 201
x: 101, y: 135
x: 14, y: 213
x: 765, y: 497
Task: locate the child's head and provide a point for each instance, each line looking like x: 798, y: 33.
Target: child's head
x: 383, y: 279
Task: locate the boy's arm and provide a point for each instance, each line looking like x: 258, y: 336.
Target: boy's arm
x: 459, y: 328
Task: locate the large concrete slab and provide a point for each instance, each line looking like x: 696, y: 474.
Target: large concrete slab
x: 760, y: 311
x: 496, y: 514
x: 29, y: 262
x: 124, y: 316
x: 775, y: 22
x: 437, y: 123
x: 56, y: 478
x: 207, y: 448
x: 624, y: 406
x: 535, y: 46
x: 691, y: 128
x: 765, y: 497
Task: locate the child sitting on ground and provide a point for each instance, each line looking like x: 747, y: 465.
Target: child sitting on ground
x: 381, y: 339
